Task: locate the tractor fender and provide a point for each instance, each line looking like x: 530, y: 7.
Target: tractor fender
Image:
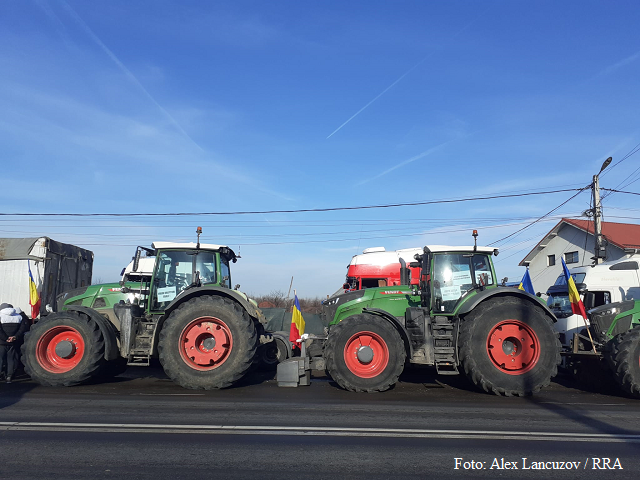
x: 109, y: 332
x: 251, y: 309
x: 474, y: 301
x: 396, y: 323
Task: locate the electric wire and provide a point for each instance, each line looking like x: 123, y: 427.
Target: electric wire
x: 301, y: 210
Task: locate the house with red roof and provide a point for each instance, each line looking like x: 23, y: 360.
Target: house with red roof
x: 574, y: 240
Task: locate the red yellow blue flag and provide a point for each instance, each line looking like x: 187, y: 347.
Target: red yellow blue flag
x: 34, y: 298
x: 297, y: 322
x: 526, y: 284
x: 577, y: 306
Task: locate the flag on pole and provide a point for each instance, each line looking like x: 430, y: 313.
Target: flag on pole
x: 577, y: 306
x: 34, y: 298
x: 526, y: 284
x: 297, y: 322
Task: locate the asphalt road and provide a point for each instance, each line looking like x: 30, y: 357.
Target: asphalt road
x: 141, y: 425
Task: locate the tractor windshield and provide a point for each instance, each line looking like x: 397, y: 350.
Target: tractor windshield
x: 175, y: 272
x: 455, y: 274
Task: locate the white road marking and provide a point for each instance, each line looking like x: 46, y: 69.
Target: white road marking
x: 317, y: 431
x: 168, y: 394
x: 586, y: 403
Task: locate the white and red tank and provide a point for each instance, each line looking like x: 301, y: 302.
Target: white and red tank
x: 376, y: 267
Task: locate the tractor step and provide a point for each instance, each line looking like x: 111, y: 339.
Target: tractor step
x: 444, y: 346
x: 142, y: 360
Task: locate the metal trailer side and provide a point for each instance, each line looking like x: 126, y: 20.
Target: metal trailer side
x: 55, y: 266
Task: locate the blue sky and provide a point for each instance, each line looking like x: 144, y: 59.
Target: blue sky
x: 158, y: 106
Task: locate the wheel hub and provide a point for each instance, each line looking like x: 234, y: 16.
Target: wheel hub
x: 209, y: 343
x: 365, y: 354
x: 65, y: 349
x: 206, y: 343
x: 513, y: 347
x: 60, y: 349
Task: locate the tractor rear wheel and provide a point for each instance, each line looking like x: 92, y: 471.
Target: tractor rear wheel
x: 508, y: 347
x: 624, y: 358
x: 207, y: 343
x: 64, y: 349
x: 364, y: 353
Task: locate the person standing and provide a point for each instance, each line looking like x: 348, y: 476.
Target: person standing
x: 13, y: 325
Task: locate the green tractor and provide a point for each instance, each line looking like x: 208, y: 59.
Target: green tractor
x: 611, y: 344
x: 457, y: 319
x: 103, y: 297
x: 204, y: 333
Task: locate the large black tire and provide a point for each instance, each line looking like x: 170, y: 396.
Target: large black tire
x: 530, y: 352
x: 624, y: 358
x: 63, y: 349
x: 379, y: 367
x: 191, y: 362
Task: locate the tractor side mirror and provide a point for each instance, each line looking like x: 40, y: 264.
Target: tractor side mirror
x: 136, y: 261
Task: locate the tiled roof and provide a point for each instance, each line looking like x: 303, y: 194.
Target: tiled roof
x: 621, y: 235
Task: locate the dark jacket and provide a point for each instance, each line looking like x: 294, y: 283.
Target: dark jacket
x: 13, y: 323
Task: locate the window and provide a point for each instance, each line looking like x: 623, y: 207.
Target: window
x: 224, y: 271
x: 571, y: 257
x: 456, y: 274
x: 551, y: 260
x: 174, y: 272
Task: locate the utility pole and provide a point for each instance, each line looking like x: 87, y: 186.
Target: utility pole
x: 600, y: 249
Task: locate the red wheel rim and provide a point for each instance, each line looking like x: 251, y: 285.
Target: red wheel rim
x: 60, y: 349
x: 366, y: 354
x: 513, y: 347
x: 205, y: 343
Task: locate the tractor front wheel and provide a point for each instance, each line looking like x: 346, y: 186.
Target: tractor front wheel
x: 624, y: 358
x: 64, y: 349
x: 364, y: 353
x: 508, y: 347
x: 207, y: 343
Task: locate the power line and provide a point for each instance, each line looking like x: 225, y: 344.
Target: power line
x: 304, y: 210
x: 619, y: 191
x: 543, y: 216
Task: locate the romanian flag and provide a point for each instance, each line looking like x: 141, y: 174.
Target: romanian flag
x: 577, y: 306
x: 297, y: 322
x: 34, y: 298
x: 526, y: 284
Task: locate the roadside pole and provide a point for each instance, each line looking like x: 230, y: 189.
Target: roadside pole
x: 600, y: 249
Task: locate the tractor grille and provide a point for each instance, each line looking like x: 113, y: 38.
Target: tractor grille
x: 600, y: 323
x: 330, y: 306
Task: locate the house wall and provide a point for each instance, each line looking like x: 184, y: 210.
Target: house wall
x: 569, y: 239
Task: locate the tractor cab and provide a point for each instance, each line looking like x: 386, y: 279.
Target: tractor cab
x: 449, y: 275
x: 183, y: 266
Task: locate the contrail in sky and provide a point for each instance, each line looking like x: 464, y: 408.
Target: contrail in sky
x: 404, y: 75
x: 129, y: 74
x: 621, y: 63
x: 410, y: 160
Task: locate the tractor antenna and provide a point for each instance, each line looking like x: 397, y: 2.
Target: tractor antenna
x: 475, y: 240
x: 199, y: 232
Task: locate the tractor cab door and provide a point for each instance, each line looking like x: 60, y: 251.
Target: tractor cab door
x: 175, y: 271
x: 454, y: 275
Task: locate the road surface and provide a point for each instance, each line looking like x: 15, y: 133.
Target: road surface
x: 141, y: 425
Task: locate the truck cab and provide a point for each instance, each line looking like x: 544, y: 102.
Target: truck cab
x: 608, y: 282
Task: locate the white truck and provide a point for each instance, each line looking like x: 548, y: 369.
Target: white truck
x: 598, y: 285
